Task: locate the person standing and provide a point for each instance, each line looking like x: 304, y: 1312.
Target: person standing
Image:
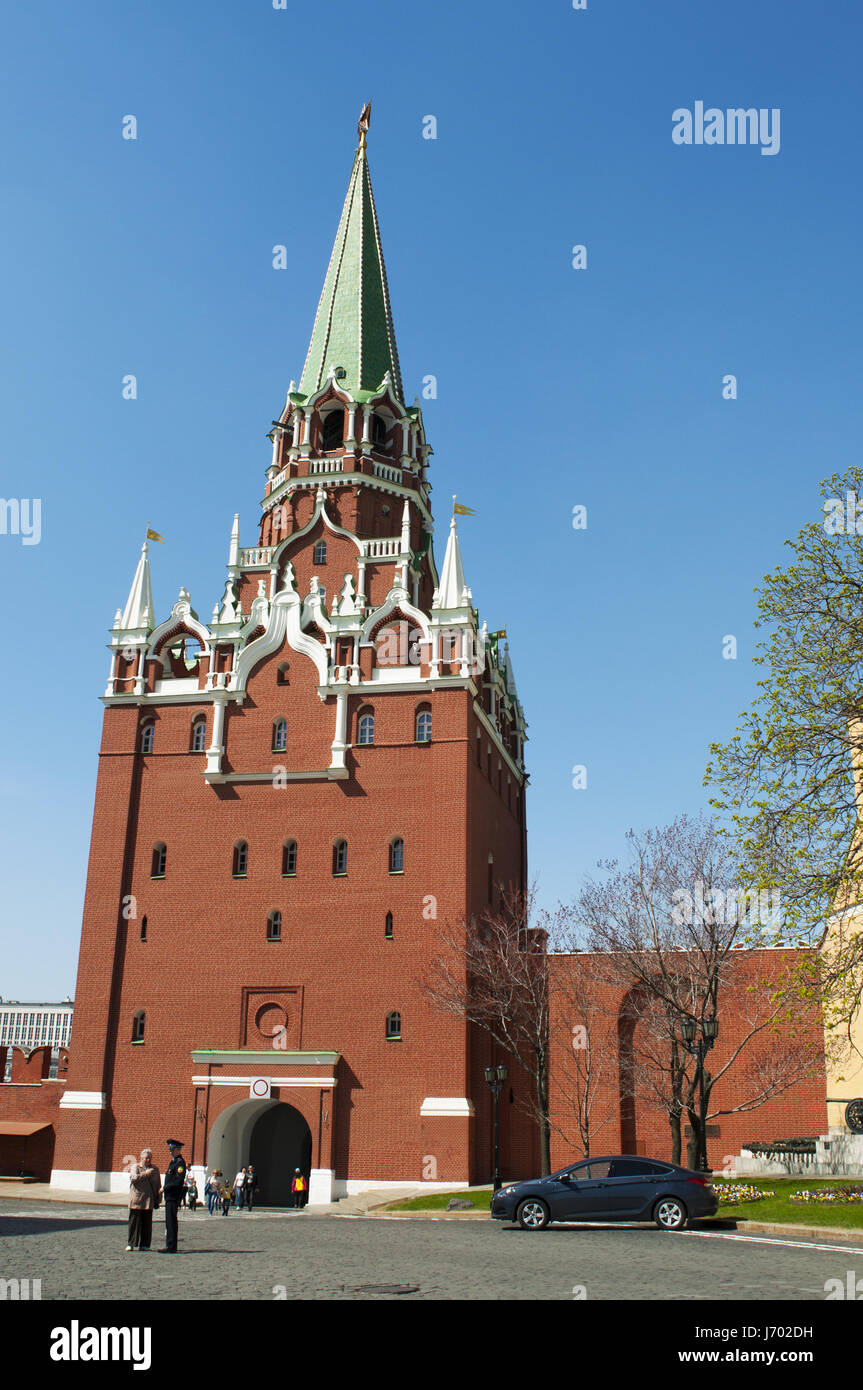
x: 213, y: 1190
x: 226, y: 1198
x: 191, y: 1191
x: 239, y: 1184
x: 172, y: 1190
x: 249, y: 1186
x: 143, y: 1201
x: 298, y: 1189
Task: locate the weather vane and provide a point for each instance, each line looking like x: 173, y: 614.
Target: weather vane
x: 363, y: 123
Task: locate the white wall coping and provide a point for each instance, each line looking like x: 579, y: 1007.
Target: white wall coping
x: 284, y: 1081
x: 447, y: 1105
x: 82, y: 1100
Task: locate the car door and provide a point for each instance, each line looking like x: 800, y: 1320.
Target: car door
x: 584, y: 1196
x: 630, y: 1187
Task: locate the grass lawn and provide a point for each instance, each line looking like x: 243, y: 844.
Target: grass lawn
x: 436, y: 1201
x: 778, y: 1208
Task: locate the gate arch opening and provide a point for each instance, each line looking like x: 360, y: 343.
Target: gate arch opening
x: 270, y: 1134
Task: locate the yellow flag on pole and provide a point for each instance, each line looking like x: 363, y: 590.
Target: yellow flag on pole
x: 154, y: 536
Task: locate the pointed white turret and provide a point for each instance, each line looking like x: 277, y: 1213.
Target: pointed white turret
x: 234, y: 549
x: 452, y: 592
x: 138, y: 612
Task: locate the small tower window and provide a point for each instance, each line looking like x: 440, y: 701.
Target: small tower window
x: 397, y: 856
x: 490, y: 885
x: 148, y: 734
x: 282, y: 675
x: 366, y: 729
x: 289, y: 859
x: 340, y: 857
x: 240, y: 860
x: 143, y: 928
x: 320, y: 553
x: 280, y: 735
x: 478, y: 748
x: 423, y: 726
x: 394, y: 1027
x: 274, y: 925
x: 139, y: 1023
x: 199, y: 736
x: 379, y: 431
x: 160, y: 858
x: 334, y: 430
x: 388, y: 927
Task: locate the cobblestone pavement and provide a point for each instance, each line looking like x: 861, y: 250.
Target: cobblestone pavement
x: 79, y: 1252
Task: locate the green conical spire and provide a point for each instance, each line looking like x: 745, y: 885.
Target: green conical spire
x: 354, y: 323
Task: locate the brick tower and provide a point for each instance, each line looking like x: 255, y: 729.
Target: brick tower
x: 291, y: 800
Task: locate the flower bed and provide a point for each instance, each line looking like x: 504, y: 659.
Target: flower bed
x: 828, y: 1196
x: 733, y: 1192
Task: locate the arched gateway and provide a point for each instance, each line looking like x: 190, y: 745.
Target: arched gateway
x: 270, y: 1134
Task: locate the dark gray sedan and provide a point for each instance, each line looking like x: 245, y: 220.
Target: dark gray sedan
x: 619, y: 1188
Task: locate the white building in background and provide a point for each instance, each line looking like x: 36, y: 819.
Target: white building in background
x: 35, y: 1025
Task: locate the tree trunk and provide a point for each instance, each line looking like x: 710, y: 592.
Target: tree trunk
x: 674, y: 1121
x: 544, y: 1123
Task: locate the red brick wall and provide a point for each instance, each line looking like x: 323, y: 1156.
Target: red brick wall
x: 801, y: 1110
x: 30, y: 1096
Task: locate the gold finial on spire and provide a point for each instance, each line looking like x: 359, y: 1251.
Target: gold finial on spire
x: 363, y: 123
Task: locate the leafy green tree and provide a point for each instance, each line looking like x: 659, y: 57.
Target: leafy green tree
x: 788, y: 782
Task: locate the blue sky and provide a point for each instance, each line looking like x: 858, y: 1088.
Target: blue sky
x: 556, y: 387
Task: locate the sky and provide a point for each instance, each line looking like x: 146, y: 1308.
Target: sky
x: 557, y: 387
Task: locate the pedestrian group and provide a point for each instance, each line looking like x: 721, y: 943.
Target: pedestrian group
x: 179, y: 1188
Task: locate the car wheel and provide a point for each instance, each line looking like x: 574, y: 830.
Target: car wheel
x: 532, y: 1214
x: 670, y: 1214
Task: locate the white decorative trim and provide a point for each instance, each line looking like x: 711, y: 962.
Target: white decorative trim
x: 83, y: 1100
x: 182, y: 617
x: 351, y: 1186
x: 397, y: 600
x: 177, y: 685
x: 340, y: 479
x: 400, y: 676
x: 447, y: 1105
x: 322, y: 1183
x: 285, y: 619
x: 327, y: 774
x: 84, y: 1180
x: 493, y: 730
x: 320, y: 511
x: 285, y: 1081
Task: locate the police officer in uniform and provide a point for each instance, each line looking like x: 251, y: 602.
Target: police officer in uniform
x: 172, y: 1191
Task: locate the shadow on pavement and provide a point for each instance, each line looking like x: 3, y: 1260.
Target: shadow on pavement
x: 11, y: 1226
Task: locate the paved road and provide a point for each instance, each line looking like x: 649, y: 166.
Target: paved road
x: 78, y: 1252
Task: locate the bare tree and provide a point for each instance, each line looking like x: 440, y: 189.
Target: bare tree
x: 669, y: 928
x: 493, y: 972
x: 582, y: 1082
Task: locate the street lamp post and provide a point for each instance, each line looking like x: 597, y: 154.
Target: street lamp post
x: 699, y: 1048
x: 495, y: 1076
